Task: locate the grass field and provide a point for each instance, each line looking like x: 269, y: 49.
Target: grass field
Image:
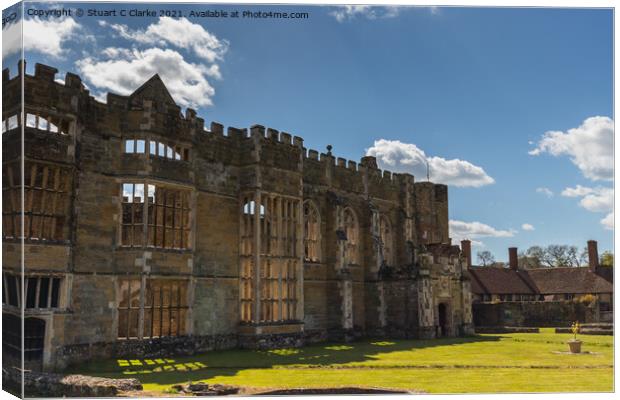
x: 492, y: 363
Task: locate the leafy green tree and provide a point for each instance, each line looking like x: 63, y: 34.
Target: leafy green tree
x: 607, y: 259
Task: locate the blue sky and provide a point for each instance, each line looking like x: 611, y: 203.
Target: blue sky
x: 502, y: 102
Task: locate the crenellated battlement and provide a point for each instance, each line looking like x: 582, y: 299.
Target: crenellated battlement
x: 144, y: 101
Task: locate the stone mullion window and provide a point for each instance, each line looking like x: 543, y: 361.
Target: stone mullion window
x: 46, y: 200
x: 47, y: 124
x: 163, y: 312
x: 11, y: 203
x: 163, y: 221
x: 42, y: 292
x: 154, y: 148
x: 277, y: 218
x: 247, y: 260
x: 133, y: 214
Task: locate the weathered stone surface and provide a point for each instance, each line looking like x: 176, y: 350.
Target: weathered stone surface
x: 204, y: 389
x: 384, y: 278
x: 38, y: 384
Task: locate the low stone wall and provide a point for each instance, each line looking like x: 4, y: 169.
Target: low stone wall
x: 184, y: 346
x: 150, y: 348
x: 506, y: 329
x: 533, y: 314
x: 38, y: 384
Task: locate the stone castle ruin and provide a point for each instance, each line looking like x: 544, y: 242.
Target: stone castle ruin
x: 146, y: 233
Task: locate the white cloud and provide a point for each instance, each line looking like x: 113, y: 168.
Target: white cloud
x: 546, y: 191
x: 590, y: 147
x: 598, y: 199
x: 180, y: 33
x: 43, y: 36
x: 527, y: 227
x: 348, y: 12
x: 11, y: 39
x: 460, y: 230
x: 406, y: 157
x: 127, y: 70
x: 608, y: 221
x: 123, y: 69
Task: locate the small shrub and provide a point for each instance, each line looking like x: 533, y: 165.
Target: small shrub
x: 575, y: 329
x: 586, y: 299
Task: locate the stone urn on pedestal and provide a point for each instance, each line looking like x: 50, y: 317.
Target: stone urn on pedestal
x: 575, y: 344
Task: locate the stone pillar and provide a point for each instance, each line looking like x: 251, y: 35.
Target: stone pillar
x: 376, y: 238
x: 382, y: 309
x: 299, y: 312
x: 346, y: 292
x: 468, y: 320
x: 257, y: 258
x: 592, y: 255
x: 426, y: 303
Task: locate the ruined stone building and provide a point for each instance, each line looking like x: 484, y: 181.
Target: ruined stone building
x: 145, y: 233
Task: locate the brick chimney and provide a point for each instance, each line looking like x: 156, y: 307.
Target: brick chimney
x: 466, y: 249
x: 513, y: 259
x: 592, y: 255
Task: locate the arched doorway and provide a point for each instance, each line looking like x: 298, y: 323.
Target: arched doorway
x: 443, y: 319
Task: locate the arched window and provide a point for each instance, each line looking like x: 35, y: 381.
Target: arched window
x: 387, y: 239
x: 312, y: 233
x: 352, y: 230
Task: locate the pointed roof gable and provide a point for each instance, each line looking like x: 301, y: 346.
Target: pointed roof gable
x: 153, y: 89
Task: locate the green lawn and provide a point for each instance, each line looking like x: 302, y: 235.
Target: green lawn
x: 522, y: 362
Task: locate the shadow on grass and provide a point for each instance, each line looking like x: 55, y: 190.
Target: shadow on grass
x: 173, y: 370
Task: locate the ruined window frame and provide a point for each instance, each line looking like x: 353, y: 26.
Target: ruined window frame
x: 312, y: 232
x: 137, y: 312
x: 47, y: 202
x: 55, y: 283
x: 387, y: 238
x: 351, y: 228
x: 280, y: 221
x: 156, y: 148
x: 165, y: 220
x: 49, y: 123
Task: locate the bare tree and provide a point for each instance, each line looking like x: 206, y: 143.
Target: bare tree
x: 555, y: 255
x: 485, y: 258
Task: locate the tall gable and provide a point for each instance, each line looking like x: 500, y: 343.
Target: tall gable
x: 155, y: 90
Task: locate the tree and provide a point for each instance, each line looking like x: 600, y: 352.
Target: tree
x: 554, y: 255
x: 538, y: 256
x: 607, y: 259
x: 485, y: 258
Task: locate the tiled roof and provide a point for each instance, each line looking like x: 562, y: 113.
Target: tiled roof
x: 494, y: 280
x: 569, y: 280
x: 498, y: 280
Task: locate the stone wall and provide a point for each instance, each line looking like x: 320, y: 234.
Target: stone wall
x: 532, y: 314
x: 337, y: 298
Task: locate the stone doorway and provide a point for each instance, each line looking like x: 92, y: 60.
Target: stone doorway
x: 442, y: 312
x: 34, y: 342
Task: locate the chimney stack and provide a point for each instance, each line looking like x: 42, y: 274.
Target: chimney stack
x: 513, y: 259
x: 592, y: 255
x: 466, y: 249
